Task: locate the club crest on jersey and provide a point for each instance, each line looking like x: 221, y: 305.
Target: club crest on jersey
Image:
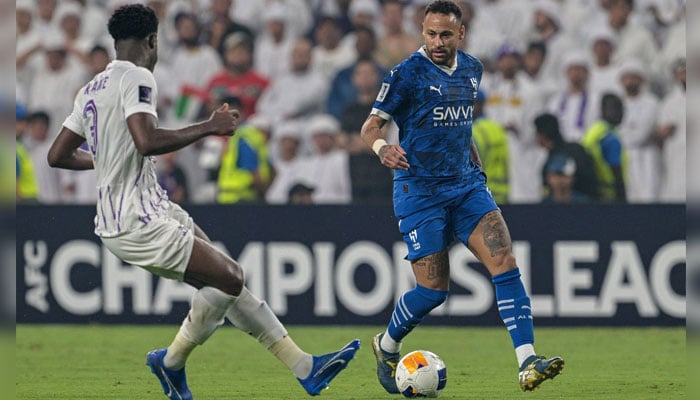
x: 475, y: 85
x: 144, y: 94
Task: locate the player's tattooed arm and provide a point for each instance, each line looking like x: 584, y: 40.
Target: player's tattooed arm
x: 391, y: 155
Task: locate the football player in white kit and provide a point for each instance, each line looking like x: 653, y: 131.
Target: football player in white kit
x: 116, y: 114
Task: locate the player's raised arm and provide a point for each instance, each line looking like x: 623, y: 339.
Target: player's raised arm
x: 391, y: 155
x: 152, y: 140
x: 66, y: 153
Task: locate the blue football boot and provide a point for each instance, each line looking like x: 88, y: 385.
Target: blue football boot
x: 327, y: 366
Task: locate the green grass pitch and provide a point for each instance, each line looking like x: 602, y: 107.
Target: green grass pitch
x: 107, y: 362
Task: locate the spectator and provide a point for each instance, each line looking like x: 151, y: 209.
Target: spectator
x: 633, y: 40
x: 289, y: 168
x: 28, y: 47
x: 27, y: 187
x: 299, y: 18
x: 273, y: 47
x: 171, y: 177
x: 196, y: 65
x: 670, y: 134
x: 513, y: 102
x: 245, y: 173
x: 69, y: 19
x: 98, y: 59
x: 53, y: 78
x: 299, y: 93
x: 533, y: 59
x: 395, y: 44
x: 328, y: 167
x: 371, y: 181
x: 576, y: 107
x: 482, y: 34
x: 343, y: 91
x: 549, y: 29
x: 300, y: 194
x: 549, y: 137
x: 602, y: 141
x: 604, y: 74
x: 219, y: 24
x: 328, y: 56
x: 51, y: 182
x: 45, y: 11
x: 560, y: 178
x: 637, y: 132
x: 491, y: 141
x: 362, y: 13
x: 238, y: 78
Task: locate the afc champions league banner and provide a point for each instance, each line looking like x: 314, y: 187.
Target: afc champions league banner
x: 344, y: 265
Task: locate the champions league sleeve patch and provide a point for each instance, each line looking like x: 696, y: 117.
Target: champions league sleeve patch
x: 382, y: 92
x: 144, y: 94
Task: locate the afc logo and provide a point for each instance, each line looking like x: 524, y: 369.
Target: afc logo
x: 413, y: 235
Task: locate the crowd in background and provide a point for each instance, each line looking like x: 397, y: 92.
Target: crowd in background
x: 572, y: 90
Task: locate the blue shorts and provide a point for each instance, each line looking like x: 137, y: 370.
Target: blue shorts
x: 429, y: 223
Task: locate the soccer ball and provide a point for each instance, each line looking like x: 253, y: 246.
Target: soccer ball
x: 421, y: 373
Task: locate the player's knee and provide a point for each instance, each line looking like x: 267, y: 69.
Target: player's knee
x: 233, y: 280
x: 502, y: 263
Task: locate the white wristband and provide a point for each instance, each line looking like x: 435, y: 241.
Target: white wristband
x: 378, y: 144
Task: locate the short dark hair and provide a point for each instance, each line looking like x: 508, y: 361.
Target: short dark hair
x: 132, y: 21
x: 98, y: 49
x: 537, y: 46
x: 548, y: 126
x: 446, y: 7
x: 39, y: 116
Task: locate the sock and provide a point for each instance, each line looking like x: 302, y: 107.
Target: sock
x: 410, y: 309
x: 514, y: 307
x: 299, y: 362
x: 254, y: 316
x: 388, y: 344
x: 206, y: 314
x: 523, y: 352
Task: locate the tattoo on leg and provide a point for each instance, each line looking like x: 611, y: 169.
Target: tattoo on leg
x: 438, y: 265
x: 496, y: 235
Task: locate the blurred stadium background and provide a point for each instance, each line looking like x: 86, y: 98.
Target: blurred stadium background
x: 317, y: 237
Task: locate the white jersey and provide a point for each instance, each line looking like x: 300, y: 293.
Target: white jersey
x: 129, y: 196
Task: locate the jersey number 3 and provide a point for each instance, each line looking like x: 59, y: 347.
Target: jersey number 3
x: 90, y: 110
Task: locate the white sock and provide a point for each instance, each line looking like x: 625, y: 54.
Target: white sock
x: 523, y: 352
x: 178, y: 351
x: 254, y: 316
x: 388, y: 344
x: 206, y: 314
x: 298, y: 361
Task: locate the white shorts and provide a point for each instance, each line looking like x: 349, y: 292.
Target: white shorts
x: 163, y: 246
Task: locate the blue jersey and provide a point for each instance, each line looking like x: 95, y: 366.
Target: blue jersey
x: 433, y: 108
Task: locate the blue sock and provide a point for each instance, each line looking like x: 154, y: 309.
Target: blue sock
x: 514, y: 307
x: 410, y: 309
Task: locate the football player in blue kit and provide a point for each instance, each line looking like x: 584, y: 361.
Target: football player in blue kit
x: 440, y: 192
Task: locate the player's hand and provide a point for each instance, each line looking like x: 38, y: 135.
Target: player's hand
x: 224, y: 121
x: 394, y: 157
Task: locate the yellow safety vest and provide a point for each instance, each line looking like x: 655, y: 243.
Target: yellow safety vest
x: 236, y: 184
x: 492, y: 143
x: 591, y: 142
x: 27, y: 187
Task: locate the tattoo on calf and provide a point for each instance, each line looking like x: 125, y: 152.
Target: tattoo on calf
x: 438, y: 265
x: 496, y: 235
